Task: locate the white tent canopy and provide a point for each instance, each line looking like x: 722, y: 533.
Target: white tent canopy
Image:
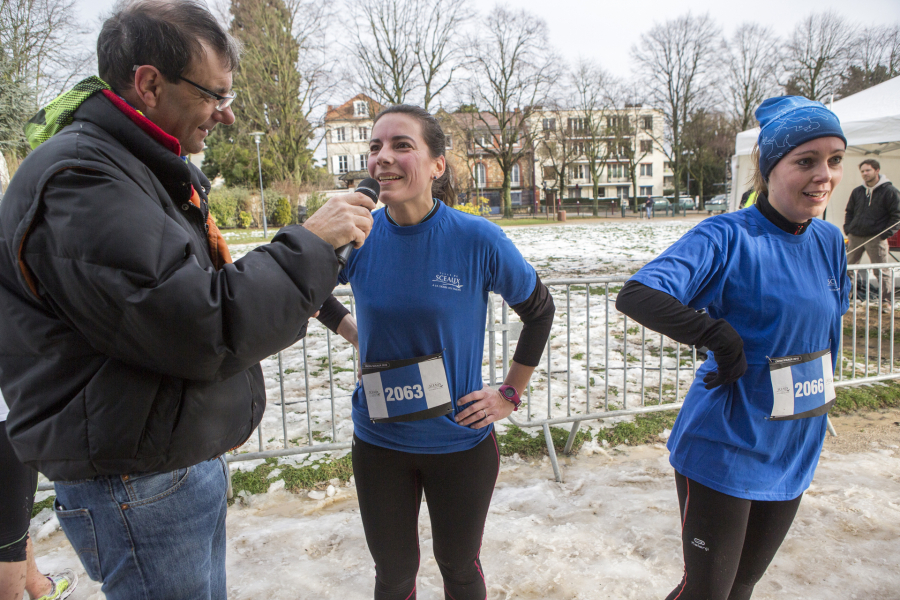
x: 871, y: 122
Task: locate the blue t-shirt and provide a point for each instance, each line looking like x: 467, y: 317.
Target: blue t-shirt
x: 785, y: 295
x: 424, y: 289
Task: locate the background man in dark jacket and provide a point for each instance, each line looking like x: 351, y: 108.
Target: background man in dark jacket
x: 129, y: 342
x: 873, y: 215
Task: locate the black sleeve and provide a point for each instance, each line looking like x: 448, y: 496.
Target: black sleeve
x: 537, y: 318
x: 893, y: 207
x: 848, y: 213
x: 332, y: 313
x: 664, y: 314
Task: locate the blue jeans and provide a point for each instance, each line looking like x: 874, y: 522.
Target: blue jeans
x: 150, y: 536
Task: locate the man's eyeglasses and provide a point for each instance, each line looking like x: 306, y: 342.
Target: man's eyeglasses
x: 222, y: 102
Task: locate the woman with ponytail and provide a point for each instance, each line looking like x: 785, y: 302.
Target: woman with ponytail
x: 423, y: 417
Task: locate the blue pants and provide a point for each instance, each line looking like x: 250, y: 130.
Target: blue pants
x: 158, y: 536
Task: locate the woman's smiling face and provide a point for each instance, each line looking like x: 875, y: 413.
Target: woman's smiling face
x: 802, y: 182
x: 400, y: 160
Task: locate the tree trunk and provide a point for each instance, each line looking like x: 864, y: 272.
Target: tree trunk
x: 506, y: 196
x: 596, y: 187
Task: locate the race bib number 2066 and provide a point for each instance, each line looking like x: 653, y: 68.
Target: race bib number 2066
x: 802, y: 385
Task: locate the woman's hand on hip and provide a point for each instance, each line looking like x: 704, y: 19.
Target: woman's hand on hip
x: 489, y: 406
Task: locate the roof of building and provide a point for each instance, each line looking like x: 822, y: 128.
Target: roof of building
x: 345, y: 111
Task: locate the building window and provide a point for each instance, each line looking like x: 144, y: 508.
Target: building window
x: 576, y: 124
x: 479, y: 175
x: 360, y: 108
x: 339, y: 135
x: 646, y: 169
x: 343, y: 163
x: 646, y: 190
x: 363, y: 133
x: 618, y: 170
x: 549, y: 124
x: 579, y: 172
x: 363, y: 162
x: 622, y: 192
x: 615, y: 122
x: 647, y: 122
x: 516, y: 174
x: 646, y: 146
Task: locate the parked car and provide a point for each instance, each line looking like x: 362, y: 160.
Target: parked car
x: 718, y: 203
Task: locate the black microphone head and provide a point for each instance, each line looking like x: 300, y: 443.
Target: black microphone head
x: 370, y: 188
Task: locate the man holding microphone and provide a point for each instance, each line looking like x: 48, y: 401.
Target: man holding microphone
x: 129, y: 341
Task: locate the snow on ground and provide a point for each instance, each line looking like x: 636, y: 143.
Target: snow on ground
x: 610, y: 531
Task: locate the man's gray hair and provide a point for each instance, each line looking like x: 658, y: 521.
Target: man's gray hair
x: 168, y: 35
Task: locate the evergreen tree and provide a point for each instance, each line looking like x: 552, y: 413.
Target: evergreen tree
x: 269, y: 87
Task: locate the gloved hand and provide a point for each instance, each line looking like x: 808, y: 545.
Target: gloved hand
x: 728, y: 350
x: 730, y: 369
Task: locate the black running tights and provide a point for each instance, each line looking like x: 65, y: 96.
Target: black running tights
x: 457, y: 487
x: 728, y: 542
x: 17, y: 486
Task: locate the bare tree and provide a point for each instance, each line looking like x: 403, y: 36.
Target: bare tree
x: 816, y: 54
x: 677, y: 59
x: 874, y: 58
x: 554, y: 132
x: 512, y: 68
x: 437, y: 47
x: 406, y: 49
x: 383, y: 53
x: 594, y: 92
x: 750, y: 75
x: 41, y: 43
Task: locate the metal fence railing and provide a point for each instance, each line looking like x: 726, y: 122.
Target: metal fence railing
x: 597, y: 365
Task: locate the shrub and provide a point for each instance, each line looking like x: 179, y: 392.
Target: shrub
x: 282, y: 213
x: 479, y: 206
x: 225, y: 204
x: 244, y: 219
x: 314, y: 202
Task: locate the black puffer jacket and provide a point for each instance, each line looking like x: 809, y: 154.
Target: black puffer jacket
x: 869, y: 214
x: 122, y: 349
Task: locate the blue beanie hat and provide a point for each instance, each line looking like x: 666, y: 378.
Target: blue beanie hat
x: 788, y: 122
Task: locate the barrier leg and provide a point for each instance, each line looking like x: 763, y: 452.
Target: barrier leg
x: 830, y: 427
x: 571, y: 439
x: 229, y: 493
x: 552, y: 451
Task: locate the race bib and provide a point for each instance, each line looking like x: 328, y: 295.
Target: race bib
x: 407, y: 390
x: 803, y: 385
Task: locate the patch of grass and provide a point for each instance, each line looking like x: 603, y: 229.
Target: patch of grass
x: 289, y: 371
x: 295, y: 478
x: 518, y: 441
x: 643, y: 430
x: 867, y: 397
x: 579, y: 356
x: 633, y: 331
x: 39, y: 506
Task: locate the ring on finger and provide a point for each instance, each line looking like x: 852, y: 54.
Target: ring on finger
x: 484, y: 414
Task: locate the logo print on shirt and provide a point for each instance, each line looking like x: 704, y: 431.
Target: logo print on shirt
x: 833, y: 284
x: 447, y: 281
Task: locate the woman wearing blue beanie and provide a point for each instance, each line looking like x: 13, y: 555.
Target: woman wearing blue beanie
x: 773, y: 283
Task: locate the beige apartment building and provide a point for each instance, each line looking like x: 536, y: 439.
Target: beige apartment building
x: 627, y: 139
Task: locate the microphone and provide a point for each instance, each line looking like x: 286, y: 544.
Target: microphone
x: 370, y: 188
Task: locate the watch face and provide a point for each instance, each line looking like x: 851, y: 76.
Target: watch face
x: 509, y: 392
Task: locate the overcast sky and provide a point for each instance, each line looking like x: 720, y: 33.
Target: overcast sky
x: 606, y: 30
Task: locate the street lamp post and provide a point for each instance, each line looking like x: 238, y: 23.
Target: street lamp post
x: 257, y: 135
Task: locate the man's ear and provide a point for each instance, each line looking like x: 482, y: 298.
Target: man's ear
x: 148, y: 85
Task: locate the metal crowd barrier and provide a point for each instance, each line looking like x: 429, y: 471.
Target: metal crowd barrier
x: 591, y: 384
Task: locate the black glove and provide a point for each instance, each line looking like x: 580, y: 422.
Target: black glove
x: 728, y: 350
